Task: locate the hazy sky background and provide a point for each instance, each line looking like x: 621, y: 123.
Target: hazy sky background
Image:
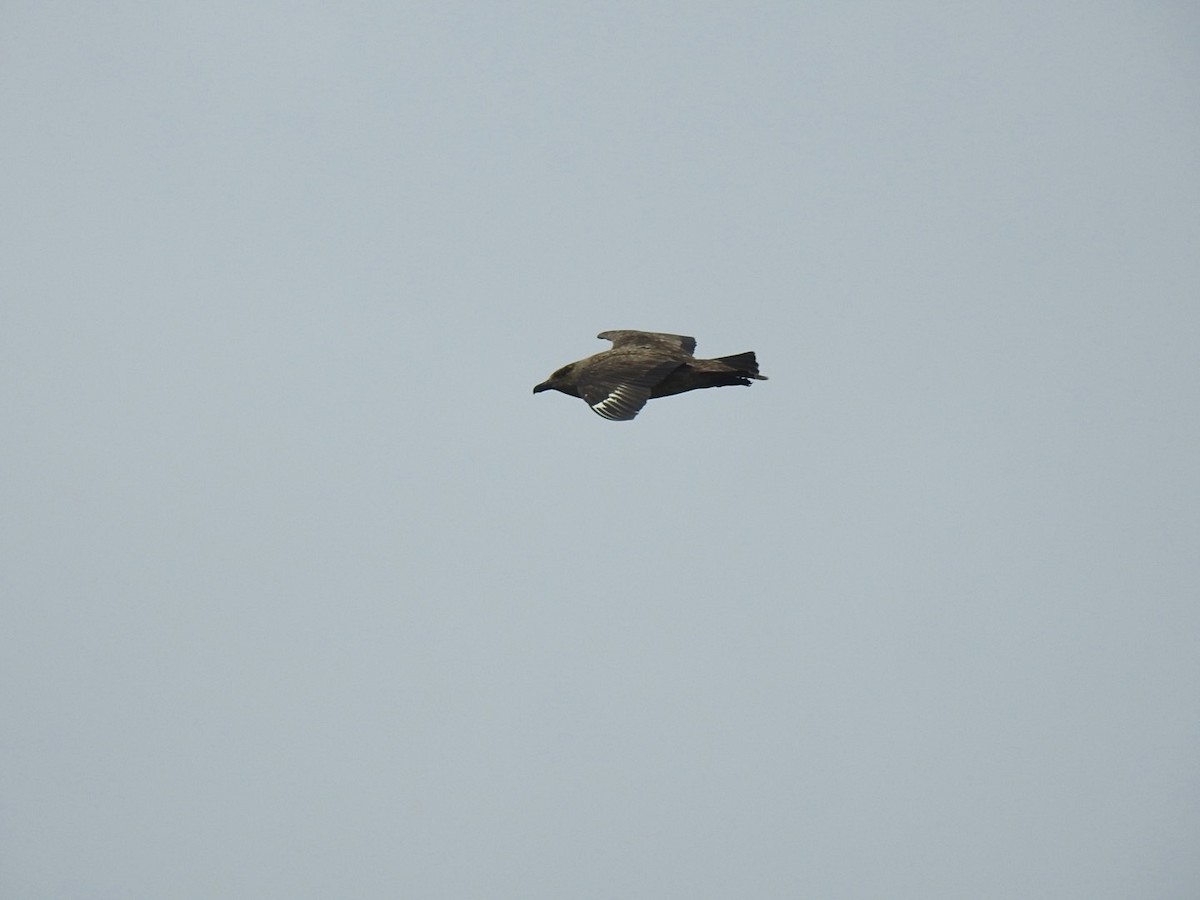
x: 306, y: 596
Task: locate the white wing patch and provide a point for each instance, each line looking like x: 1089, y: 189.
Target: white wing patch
x: 622, y: 404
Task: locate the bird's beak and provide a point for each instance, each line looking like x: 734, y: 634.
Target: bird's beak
x: 544, y: 386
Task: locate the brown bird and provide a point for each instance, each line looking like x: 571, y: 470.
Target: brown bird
x: 642, y: 365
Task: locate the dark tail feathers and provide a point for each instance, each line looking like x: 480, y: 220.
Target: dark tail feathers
x: 744, y: 363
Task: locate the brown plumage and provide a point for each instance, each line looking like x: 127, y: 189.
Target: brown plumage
x: 643, y: 365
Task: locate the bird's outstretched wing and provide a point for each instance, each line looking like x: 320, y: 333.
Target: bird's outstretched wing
x: 650, y: 339
x: 618, y: 386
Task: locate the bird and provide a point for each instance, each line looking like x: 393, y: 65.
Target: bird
x: 643, y: 365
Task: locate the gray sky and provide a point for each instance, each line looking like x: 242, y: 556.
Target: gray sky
x: 306, y: 596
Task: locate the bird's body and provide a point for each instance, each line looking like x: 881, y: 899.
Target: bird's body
x: 643, y: 365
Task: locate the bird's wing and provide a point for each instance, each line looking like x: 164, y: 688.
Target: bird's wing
x: 652, y: 339
x: 617, y: 385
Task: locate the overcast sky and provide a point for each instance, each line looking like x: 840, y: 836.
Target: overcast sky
x: 305, y: 595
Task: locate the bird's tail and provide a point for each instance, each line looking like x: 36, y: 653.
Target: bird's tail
x: 744, y: 364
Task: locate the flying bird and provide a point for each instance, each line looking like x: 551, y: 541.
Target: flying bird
x: 643, y: 365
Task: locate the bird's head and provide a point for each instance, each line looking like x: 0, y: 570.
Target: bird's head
x: 562, y: 380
